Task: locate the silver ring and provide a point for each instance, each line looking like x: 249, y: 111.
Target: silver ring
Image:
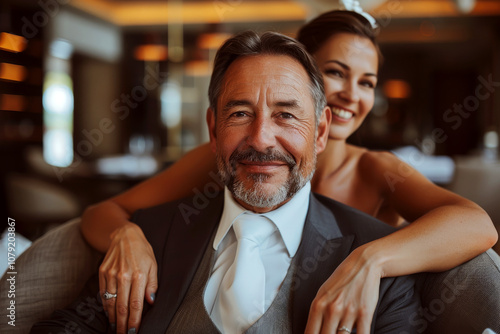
x: 108, y: 295
x: 344, y: 329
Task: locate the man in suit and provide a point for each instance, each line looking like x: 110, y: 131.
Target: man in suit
x: 253, y: 259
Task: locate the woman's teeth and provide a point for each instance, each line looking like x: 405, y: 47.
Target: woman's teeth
x: 342, y: 113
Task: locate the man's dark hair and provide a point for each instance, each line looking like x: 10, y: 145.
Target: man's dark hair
x: 249, y: 43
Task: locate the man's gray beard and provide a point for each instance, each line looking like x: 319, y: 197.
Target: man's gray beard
x: 256, y: 196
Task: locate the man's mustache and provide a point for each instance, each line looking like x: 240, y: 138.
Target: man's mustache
x: 251, y: 154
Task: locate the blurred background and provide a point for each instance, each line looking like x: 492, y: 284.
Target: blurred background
x: 97, y: 95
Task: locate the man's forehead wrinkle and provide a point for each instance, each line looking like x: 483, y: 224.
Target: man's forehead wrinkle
x: 289, y: 70
x: 235, y: 103
x: 259, y: 80
x: 273, y: 88
x: 223, y: 90
x: 289, y: 103
x: 288, y: 92
x: 288, y: 78
x: 286, y: 89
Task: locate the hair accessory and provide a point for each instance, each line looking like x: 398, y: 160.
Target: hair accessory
x: 354, y: 6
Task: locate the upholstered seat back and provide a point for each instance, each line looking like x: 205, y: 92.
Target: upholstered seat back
x: 51, y: 273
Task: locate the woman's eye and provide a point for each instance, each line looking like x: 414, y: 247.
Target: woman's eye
x: 336, y: 73
x: 368, y: 84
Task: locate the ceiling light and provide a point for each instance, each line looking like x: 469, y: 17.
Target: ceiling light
x: 151, y: 52
x: 397, y: 89
x: 12, y: 43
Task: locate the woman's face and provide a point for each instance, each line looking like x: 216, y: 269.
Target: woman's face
x: 349, y: 64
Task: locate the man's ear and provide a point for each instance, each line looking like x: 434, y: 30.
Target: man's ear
x: 323, y: 129
x: 211, y: 128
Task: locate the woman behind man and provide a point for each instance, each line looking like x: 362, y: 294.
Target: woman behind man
x: 445, y: 230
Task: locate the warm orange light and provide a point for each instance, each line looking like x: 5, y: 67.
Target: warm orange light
x: 12, y: 102
x: 426, y: 34
x: 198, y: 68
x: 397, y: 89
x: 431, y: 8
x: 12, y: 72
x: 212, y: 41
x: 148, y: 13
x: 151, y: 52
x: 12, y: 43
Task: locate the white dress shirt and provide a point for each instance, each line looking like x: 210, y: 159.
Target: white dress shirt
x: 277, y: 252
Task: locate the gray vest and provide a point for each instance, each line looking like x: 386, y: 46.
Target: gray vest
x: 192, y: 316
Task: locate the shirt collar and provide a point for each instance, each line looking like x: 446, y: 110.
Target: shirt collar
x: 288, y: 218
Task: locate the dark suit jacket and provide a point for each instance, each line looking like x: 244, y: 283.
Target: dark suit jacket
x: 180, y: 231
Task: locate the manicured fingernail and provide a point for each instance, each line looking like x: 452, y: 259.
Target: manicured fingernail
x: 152, y: 296
x: 131, y: 331
x: 113, y: 327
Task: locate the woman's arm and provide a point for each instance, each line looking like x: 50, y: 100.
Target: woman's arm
x: 446, y: 230
x: 129, y: 268
x: 192, y: 171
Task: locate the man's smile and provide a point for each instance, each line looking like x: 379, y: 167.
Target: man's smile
x: 261, y: 166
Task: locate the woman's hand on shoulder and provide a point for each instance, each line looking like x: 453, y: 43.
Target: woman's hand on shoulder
x: 129, y: 270
x: 348, y: 298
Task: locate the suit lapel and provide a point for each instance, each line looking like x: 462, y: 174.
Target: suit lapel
x: 184, y: 249
x: 322, y: 249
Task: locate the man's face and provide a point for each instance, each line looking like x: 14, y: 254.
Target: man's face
x: 264, y: 134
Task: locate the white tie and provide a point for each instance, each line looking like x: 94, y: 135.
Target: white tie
x: 241, y: 297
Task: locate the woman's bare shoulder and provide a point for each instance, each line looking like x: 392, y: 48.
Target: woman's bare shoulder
x: 376, y: 166
x: 355, y: 152
x: 372, y: 161
x: 378, y: 159
x: 368, y: 161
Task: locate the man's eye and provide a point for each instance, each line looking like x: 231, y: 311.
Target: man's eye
x: 238, y: 114
x: 286, y: 115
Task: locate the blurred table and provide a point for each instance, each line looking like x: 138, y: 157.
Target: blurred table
x: 479, y: 181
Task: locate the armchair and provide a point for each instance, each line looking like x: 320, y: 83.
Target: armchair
x: 51, y: 273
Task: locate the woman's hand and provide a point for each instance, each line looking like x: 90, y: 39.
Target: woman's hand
x: 348, y: 298
x: 129, y: 270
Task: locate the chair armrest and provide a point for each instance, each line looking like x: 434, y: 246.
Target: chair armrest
x: 464, y: 299
x: 50, y: 274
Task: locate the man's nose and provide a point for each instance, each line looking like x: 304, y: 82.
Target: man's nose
x: 262, y: 134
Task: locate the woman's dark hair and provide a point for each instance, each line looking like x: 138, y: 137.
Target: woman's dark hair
x: 316, y: 32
